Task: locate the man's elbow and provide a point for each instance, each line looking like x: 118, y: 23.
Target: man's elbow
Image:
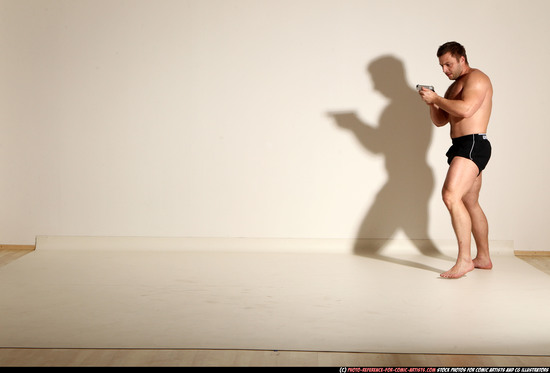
x: 440, y: 121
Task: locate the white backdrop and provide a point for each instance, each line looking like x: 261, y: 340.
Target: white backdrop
x: 215, y: 118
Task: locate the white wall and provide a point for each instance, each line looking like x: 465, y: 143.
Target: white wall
x: 209, y: 118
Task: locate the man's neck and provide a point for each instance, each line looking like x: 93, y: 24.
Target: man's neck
x: 467, y: 69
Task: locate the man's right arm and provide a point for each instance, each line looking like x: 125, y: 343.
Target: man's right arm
x: 439, y: 117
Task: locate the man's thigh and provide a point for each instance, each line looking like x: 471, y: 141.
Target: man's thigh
x: 461, y: 176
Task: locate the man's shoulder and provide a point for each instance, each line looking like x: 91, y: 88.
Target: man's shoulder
x: 478, y: 75
x: 477, y: 78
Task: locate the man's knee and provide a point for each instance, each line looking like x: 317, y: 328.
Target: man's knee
x: 450, y: 198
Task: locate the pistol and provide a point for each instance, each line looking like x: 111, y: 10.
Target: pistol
x: 420, y: 86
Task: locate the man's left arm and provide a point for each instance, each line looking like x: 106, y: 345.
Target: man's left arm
x: 473, y: 94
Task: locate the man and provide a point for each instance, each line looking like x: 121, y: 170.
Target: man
x: 467, y: 107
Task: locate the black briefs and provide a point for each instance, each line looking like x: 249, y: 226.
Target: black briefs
x: 475, y: 147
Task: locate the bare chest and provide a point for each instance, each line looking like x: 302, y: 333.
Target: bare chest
x: 455, y: 91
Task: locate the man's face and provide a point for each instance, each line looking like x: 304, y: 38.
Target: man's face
x: 451, y: 66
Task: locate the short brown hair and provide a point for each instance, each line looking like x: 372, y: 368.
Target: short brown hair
x: 455, y: 49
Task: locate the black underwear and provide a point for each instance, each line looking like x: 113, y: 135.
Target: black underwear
x: 475, y: 147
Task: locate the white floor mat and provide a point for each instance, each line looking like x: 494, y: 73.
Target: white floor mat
x: 271, y: 301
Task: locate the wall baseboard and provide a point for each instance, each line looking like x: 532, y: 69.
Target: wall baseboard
x: 194, y: 243
x: 231, y: 244
x: 17, y: 247
x: 531, y: 253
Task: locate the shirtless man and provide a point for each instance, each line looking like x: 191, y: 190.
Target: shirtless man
x: 467, y: 107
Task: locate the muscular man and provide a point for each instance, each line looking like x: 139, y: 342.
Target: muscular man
x: 467, y: 107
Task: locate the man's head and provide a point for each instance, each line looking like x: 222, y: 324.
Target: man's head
x: 453, y: 59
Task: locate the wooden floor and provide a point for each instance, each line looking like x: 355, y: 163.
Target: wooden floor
x: 234, y: 358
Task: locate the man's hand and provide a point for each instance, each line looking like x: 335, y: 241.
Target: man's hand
x: 428, y: 96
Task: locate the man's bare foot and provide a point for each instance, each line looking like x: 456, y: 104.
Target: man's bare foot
x: 459, y: 269
x: 483, y: 263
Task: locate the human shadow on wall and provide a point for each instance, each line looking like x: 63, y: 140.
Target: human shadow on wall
x: 403, y: 136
